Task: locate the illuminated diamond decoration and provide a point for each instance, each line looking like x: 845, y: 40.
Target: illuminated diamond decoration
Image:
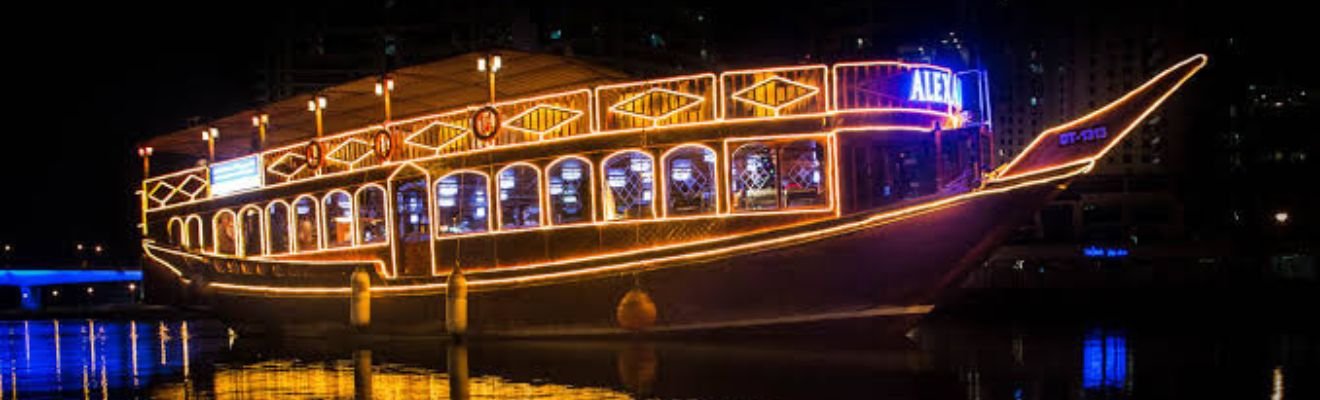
x: 351, y: 151
x: 192, y: 186
x: 542, y: 119
x: 288, y: 165
x: 775, y: 93
x: 656, y: 104
x: 162, y: 192
x: 436, y: 135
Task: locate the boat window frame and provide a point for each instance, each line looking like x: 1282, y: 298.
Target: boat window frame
x: 715, y: 177
x: 437, y: 232
x: 200, y: 233
x: 326, y: 220
x: 295, y: 246
x: 359, y: 237
x: 774, y: 160
x: 591, y: 187
x: 605, y: 189
x: 242, y: 231
x: 540, y: 196
x: 170, y: 231
x: 215, y: 231
x: 288, y: 227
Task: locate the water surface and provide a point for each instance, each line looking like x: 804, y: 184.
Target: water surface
x: 942, y: 359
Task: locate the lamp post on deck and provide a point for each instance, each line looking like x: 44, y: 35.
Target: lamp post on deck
x: 383, y: 89
x: 210, y: 135
x: 317, y: 106
x: 145, y: 152
x: 261, y: 121
x: 490, y: 64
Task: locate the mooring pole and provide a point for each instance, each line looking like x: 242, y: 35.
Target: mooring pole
x: 360, y: 304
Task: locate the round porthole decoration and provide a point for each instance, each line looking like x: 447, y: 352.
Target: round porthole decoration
x: 486, y: 123
x: 315, y: 155
x: 383, y: 144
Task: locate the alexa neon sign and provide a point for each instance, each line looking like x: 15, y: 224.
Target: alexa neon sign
x: 934, y: 86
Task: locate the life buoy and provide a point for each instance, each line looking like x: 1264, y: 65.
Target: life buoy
x: 383, y: 144
x: 486, y: 123
x: 314, y: 154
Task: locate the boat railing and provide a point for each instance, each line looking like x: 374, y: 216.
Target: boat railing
x: 684, y: 101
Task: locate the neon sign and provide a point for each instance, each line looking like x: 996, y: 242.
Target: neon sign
x: 235, y: 175
x: 1104, y: 252
x: 935, y: 86
x: 1083, y: 136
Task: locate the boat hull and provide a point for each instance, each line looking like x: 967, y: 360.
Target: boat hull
x: 892, y: 270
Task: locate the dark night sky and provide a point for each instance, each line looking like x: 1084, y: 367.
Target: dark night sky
x: 92, y: 83
x: 91, y: 80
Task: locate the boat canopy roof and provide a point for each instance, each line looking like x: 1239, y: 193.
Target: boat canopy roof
x: 421, y: 89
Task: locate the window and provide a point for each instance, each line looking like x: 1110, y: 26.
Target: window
x: 629, y: 186
x: 568, y: 182
x: 193, y: 238
x: 754, y: 176
x: 175, y: 231
x: 222, y: 225
x: 250, y: 224
x: 338, y: 220
x: 774, y: 176
x: 371, y: 215
x: 802, y: 174
x: 520, y: 197
x: 304, y: 225
x: 690, y: 181
x: 414, y: 219
x: 462, y: 203
x: 277, y: 227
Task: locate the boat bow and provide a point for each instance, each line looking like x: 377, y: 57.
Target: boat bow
x: 1078, y: 144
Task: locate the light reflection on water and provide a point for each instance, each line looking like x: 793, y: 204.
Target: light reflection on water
x: 94, y: 359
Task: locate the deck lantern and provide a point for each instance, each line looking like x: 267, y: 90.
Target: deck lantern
x: 383, y: 89
x: 261, y: 121
x: 210, y: 135
x: 317, y: 105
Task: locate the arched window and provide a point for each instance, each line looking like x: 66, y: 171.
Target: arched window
x: 175, y: 231
x: 371, y: 215
x: 462, y: 203
x: 568, y: 182
x: 223, y: 227
x: 338, y: 219
x: 802, y: 174
x: 411, y: 213
x: 754, y: 177
x: 690, y: 181
x: 277, y: 227
x: 304, y: 225
x: 629, y: 186
x: 251, y: 230
x: 520, y: 197
x: 193, y: 237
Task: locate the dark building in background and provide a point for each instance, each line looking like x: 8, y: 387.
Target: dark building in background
x: 1208, y: 184
x: 316, y: 45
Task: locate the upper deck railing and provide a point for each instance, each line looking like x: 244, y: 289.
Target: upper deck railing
x: 683, y: 101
